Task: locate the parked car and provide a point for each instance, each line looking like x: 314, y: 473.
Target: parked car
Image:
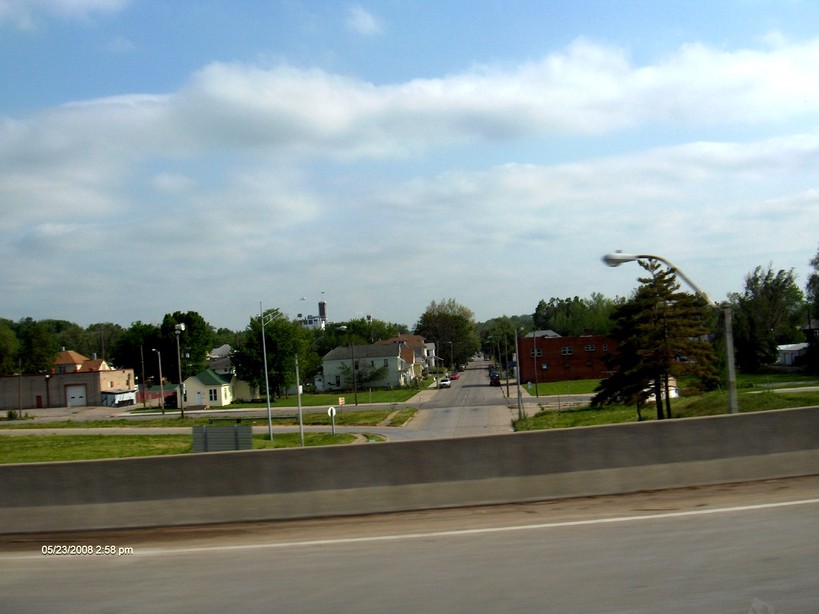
x: 454, y: 375
x: 444, y: 383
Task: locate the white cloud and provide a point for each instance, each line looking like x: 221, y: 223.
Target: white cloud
x: 25, y: 14
x: 362, y: 22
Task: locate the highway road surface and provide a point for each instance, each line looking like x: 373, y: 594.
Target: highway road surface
x: 741, y: 549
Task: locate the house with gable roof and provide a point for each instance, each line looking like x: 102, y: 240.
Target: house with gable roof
x: 209, y: 388
x: 415, y: 352
x: 337, y: 362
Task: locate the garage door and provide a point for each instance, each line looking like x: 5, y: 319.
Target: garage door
x: 75, y: 395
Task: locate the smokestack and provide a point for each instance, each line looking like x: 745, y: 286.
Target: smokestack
x: 322, y: 311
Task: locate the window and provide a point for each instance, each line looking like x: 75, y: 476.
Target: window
x: 566, y: 350
x: 213, y: 394
x: 589, y: 347
x: 536, y: 353
x: 605, y: 347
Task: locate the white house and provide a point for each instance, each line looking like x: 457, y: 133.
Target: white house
x: 209, y: 388
x: 789, y: 354
x: 339, y: 361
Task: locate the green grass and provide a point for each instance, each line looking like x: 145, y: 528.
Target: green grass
x: 399, y: 395
x: 580, y: 386
x: 52, y: 448
x: 709, y: 404
x: 293, y: 440
x: 344, y: 417
x: 48, y: 448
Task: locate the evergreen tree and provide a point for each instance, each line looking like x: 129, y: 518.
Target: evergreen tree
x: 661, y: 333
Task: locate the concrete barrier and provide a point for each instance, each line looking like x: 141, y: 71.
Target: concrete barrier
x: 326, y: 481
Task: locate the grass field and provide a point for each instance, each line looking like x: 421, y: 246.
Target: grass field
x: 755, y: 393
x: 50, y: 448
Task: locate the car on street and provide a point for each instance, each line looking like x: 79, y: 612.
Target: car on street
x: 454, y: 375
x: 445, y: 383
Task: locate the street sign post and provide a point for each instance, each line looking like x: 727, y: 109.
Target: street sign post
x: 332, y: 413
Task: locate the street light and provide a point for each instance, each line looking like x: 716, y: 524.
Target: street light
x: 178, y: 330
x: 161, y: 387
x: 521, y: 413
x: 618, y: 258
x: 298, y: 396
x: 266, y: 377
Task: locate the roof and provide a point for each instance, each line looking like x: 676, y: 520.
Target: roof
x: 375, y: 350
x: 792, y: 347
x: 543, y: 333
x: 95, y: 364
x: 209, y: 377
x: 221, y: 352
x: 410, y: 340
x: 69, y: 357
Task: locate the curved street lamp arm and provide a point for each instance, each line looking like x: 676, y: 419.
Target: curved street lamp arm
x: 618, y: 258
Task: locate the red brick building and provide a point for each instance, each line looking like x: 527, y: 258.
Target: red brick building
x: 546, y: 357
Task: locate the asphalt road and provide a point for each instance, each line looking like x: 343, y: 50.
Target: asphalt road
x: 747, y: 548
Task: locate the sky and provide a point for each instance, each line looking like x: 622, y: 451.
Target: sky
x: 221, y: 155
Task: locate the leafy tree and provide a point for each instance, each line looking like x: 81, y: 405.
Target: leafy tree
x: 661, y: 333
x: 498, y: 338
x: 284, y: 340
x: 9, y: 348
x: 365, y: 374
x: 195, y: 342
x: 38, y: 346
x: 812, y: 287
x: 66, y: 334
x: 100, y: 338
x: 133, y: 349
x: 768, y: 313
x: 451, y: 326
x: 575, y: 316
x: 812, y: 296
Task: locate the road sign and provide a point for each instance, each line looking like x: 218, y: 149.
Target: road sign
x: 341, y: 400
x: 332, y: 413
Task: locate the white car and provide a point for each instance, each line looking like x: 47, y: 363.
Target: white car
x: 445, y: 382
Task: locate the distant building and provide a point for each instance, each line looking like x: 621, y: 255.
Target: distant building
x: 399, y: 369
x: 545, y: 356
x: 74, y: 381
x: 318, y: 322
x: 789, y: 355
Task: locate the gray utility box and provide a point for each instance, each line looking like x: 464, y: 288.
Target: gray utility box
x: 222, y: 438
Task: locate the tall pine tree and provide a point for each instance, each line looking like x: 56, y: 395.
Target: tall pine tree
x: 661, y: 333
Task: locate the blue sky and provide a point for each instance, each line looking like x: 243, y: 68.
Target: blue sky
x: 160, y: 156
